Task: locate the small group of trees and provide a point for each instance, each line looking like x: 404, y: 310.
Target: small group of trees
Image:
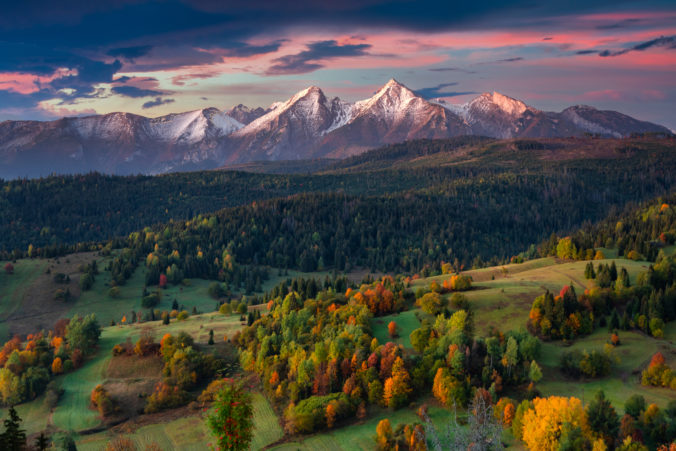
x: 592, y: 364
x: 27, y: 367
x: 658, y: 373
x: 565, y: 424
x: 561, y: 317
x: 88, y: 277
x: 185, y: 368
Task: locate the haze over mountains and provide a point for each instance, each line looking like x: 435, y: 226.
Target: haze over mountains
x: 308, y: 125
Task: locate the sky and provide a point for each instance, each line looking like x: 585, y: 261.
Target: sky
x: 80, y: 57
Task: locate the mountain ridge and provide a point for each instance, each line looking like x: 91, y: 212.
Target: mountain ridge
x: 307, y: 125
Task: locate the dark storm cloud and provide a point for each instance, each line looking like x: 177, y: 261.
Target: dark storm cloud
x: 440, y: 91
x: 130, y: 53
x: 134, y: 92
x: 586, y: 52
x: 663, y: 41
x: 310, y: 60
x: 157, y: 102
x: 243, y: 49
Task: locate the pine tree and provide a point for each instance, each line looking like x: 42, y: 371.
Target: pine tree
x: 211, y: 337
x: 14, y: 438
x: 41, y: 443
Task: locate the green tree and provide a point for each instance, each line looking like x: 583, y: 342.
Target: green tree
x: 635, y: 406
x: 14, y: 438
x: 534, y: 373
x: 230, y: 419
x: 602, y: 418
x: 511, y: 356
x: 83, y: 333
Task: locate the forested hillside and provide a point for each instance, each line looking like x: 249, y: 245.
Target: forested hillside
x: 468, y: 197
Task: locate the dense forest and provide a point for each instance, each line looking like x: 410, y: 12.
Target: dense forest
x: 458, y: 178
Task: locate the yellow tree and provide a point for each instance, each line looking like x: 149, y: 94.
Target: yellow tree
x: 542, y: 424
x: 397, y: 387
x: 384, y: 435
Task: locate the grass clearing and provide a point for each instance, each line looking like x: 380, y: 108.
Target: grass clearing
x: 406, y: 323
x: 14, y: 287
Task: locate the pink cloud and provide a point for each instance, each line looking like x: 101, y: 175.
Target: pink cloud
x: 24, y: 83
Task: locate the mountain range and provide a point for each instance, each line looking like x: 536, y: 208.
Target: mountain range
x: 306, y: 126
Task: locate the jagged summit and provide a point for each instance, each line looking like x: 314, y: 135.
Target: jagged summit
x: 306, y: 125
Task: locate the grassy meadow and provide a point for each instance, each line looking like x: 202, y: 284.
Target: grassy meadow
x: 501, y: 297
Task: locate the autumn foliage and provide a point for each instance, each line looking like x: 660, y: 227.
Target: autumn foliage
x: 658, y: 373
x: 543, y: 424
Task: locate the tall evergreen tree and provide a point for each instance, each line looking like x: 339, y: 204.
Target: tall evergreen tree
x: 14, y: 438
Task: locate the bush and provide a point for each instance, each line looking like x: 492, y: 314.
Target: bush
x: 183, y: 315
x: 164, y: 397
x: 582, y: 363
x: 151, y: 300
x: 310, y: 414
x: 101, y: 400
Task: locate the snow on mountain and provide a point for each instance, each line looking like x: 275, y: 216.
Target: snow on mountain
x: 307, y: 125
x: 244, y: 115
x: 193, y: 126
x: 393, y: 114
x: 290, y: 129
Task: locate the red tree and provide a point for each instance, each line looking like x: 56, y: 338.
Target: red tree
x: 163, y: 281
x: 392, y: 329
x: 9, y: 268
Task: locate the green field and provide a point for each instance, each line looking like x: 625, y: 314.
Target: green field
x: 13, y: 287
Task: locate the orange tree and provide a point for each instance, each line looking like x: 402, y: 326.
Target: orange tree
x: 230, y: 419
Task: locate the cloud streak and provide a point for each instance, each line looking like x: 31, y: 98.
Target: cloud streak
x: 314, y: 56
x: 668, y: 42
x: 157, y: 102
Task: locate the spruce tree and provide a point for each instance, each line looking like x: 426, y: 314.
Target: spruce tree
x: 211, y: 336
x: 14, y: 438
x: 41, y: 443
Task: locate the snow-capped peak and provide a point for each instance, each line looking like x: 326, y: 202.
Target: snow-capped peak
x: 390, y: 100
x: 507, y: 104
x: 192, y: 126
x: 306, y: 105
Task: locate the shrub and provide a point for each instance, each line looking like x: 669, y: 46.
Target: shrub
x: 310, y: 413
x: 150, y: 300
x: 183, y: 315
x: 582, y: 363
x: 101, y: 400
